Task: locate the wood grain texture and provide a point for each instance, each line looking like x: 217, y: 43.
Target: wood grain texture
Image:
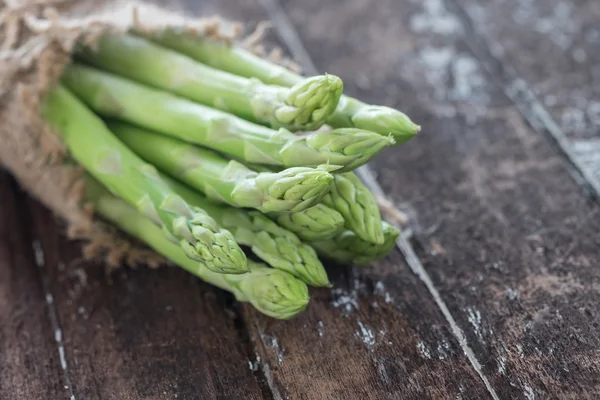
x: 142, y: 334
x: 545, y: 54
x: 29, y: 358
x: 507, y: 235
x: 376, y: 335
x: 554, y: 46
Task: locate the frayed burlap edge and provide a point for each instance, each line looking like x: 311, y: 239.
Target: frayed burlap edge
x: 36, y: 41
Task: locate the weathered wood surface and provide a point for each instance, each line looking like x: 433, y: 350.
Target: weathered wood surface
x: 546, y: 54
x: 29, y: 360
x: 141, y: 334
x: 554, y: 46
x: 508, y: 237
x: 500, y: 301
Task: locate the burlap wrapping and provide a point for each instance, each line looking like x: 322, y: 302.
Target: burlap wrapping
x: 36, y: 40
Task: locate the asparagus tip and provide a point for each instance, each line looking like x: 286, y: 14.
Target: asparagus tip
x: 310, y: 102
x: 385, y: 120
x: 277, y: 293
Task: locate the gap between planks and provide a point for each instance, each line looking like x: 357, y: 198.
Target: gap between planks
x: 522, y: 96
x: 40, y: 262
x: 290, y: 37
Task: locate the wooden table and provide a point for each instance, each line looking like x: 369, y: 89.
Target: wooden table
x: 495, y: 294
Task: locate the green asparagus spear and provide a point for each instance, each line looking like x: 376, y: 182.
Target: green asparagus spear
x: 113, y: 96
x: 125, y: 174
x: 356, y: 203
x: 273, y: 292
x: 314, y: 223
x: 275, y: 245
x: 347, y: 247
x: 305, y: 106
x: 224, y: 56
x: 350, y: 112
x: 227, y: 181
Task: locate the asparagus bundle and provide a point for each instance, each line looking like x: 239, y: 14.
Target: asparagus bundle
x: 198, y: 158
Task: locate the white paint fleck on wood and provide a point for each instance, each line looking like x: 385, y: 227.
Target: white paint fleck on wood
x: 529, y: 393
x: 381, y: 292
x: 348, y: 301
x: 424, y: 350
x: 512, y: 294
x: 38, y: 253
x: 254, y: 366
x: 365, y: 334
x: 520, y: 351
x: 502, y: 365
x: 443, y: 350
x: 320, y: 328
x: 435, y: 18
x: 474, y: 317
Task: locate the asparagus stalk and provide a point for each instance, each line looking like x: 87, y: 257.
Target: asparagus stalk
x: 277, y: 246
x: 113, y: 96
x: 223, y: 56
x: 125, y: 174
x: 314, y: 223
x: 273, y: 292
x: 358, y: 206
x: 350, y: 112
x: 227, y: 181
x: 304, y: 106
x: 347, y: 247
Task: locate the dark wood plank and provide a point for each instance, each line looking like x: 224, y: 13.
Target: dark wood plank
x: 143, y: 333
x: 546, y: 55
x: 377, y: 334
x: 506, y: 234
x: 555, y: 46
x: 29, y: 357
